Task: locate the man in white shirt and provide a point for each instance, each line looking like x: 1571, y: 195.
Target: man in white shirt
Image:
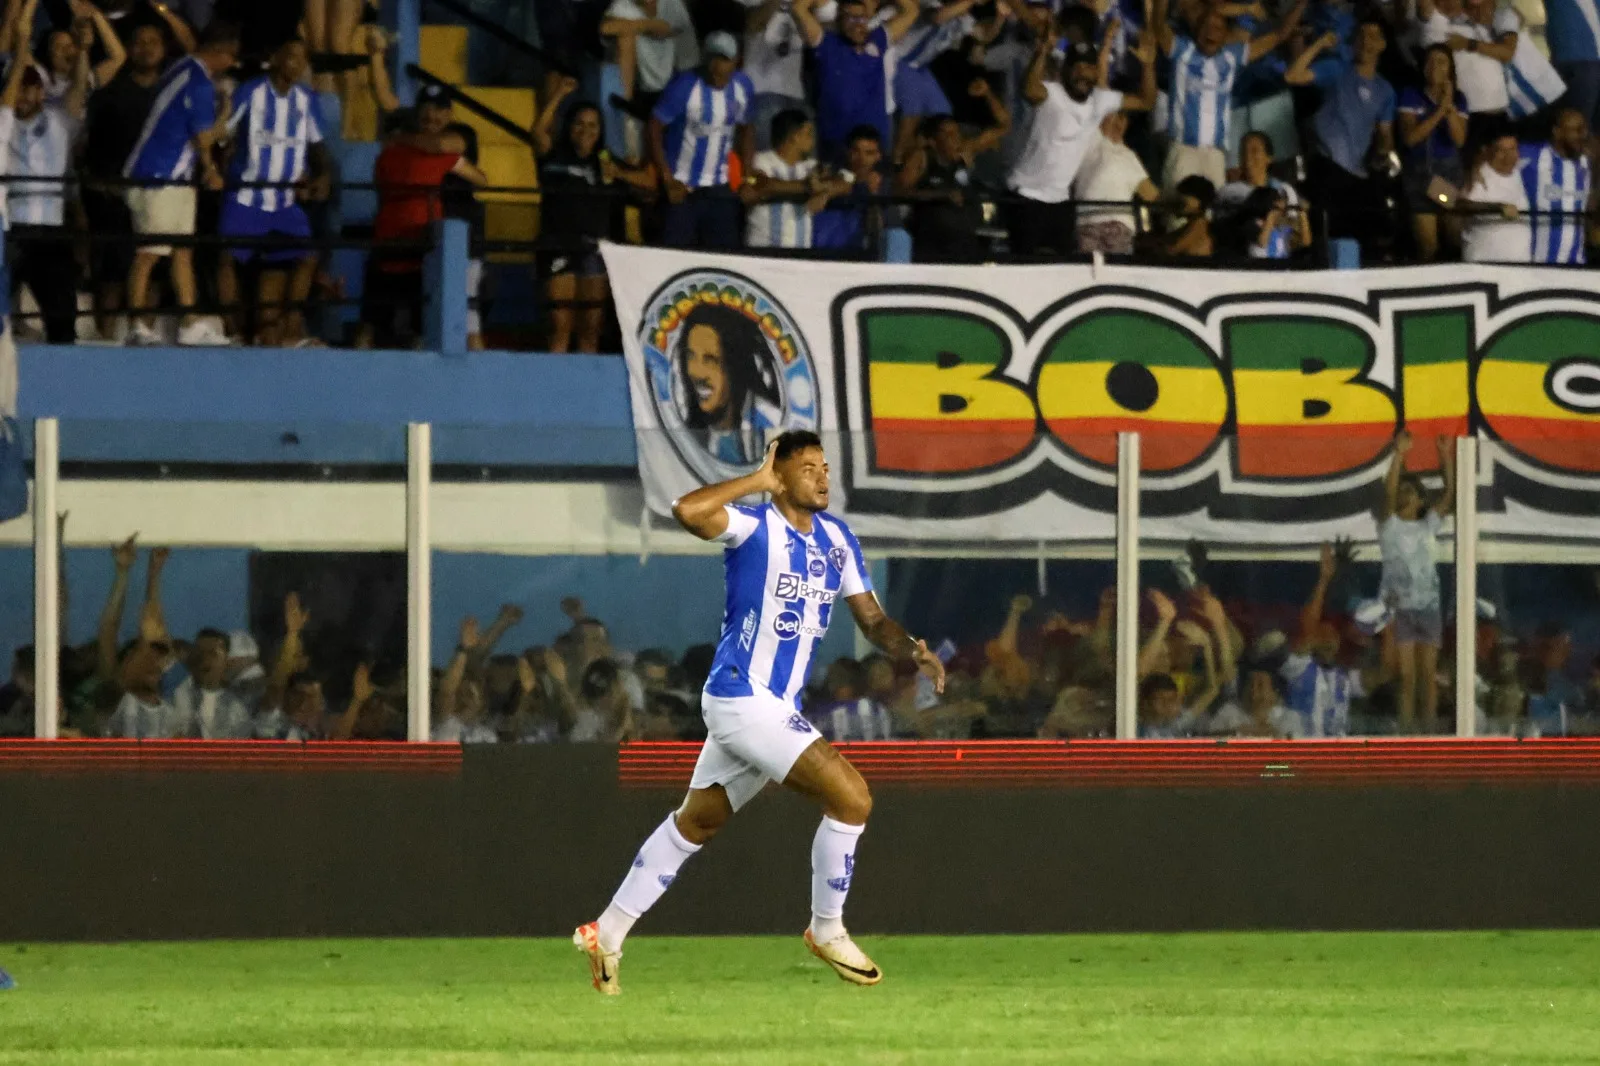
x: 204, y: 705
x: 1484, y: 41
x: 774, y: 56
x: 39, y: 145
x: 647, y: 42
x: 1500, y: 231
x: 785, y: 188
x: 1066, y: 124
x: 1260, y: 712
x: 142, y: 713
x: 1112, y: 173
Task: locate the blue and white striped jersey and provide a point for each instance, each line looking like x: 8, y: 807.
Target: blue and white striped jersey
x: 701, y: 123
x: 1556, y: 185
x: 1201, y: 98
x: 926, y: 42
x: 1573, y: 30
x: 781, y: 223
x: 1532, y: 83
x: 272, y: 135
x: 185, y: 107
x: 782, y: 585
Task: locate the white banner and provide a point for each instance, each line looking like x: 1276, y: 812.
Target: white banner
x: 983, y: 403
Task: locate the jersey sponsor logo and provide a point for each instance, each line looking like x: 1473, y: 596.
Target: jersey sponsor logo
x: 761, y: 381
x: 789, y: 626
x: 817, y: 567
x: 794, y: 587
x: 747, y: 631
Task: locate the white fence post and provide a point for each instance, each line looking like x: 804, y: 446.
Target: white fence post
x: 1466, y: 502
x: 419, y: 579
x: 1127, y: 586
x: 46, y: 579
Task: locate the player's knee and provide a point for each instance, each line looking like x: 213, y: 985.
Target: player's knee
x: 698, y: 823
x: 854, y: 806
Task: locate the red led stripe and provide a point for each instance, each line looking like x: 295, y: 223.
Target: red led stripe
x: 250, y: 756
x: 1105, y: 763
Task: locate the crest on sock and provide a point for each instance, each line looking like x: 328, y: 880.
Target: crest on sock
x: 842, y: 884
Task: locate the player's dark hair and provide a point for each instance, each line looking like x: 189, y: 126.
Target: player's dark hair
x: 1156, y: 684
x: 1259, y: 135
x: 795, y: 440
x: 220, y: 34
x: 652, y: 657
x: 1199, y: 189
x: 864, y: 133
x: 599, y: 678
x: 786, y: 123
x: 746, y: 360
x: 1374, y: 20
x: 214, y: 634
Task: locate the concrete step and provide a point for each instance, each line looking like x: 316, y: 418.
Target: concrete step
x: 443, y: 51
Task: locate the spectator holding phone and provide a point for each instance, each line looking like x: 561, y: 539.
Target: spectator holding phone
x: 1433, y: 133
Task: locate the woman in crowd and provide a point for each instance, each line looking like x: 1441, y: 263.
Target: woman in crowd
x: 581, y: 184
x: 1433, y: 129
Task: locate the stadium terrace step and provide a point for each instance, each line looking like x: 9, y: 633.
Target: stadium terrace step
x: 444, y: 51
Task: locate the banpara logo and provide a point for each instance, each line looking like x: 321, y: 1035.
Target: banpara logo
x: 728, y: 370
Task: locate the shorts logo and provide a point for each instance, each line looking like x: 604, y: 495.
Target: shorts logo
x: 728, y: 370
x: 838, y: 557
x: 638, y: 860
x: 786, y: 625
x: 842, y: 884
x: 666, y: 880
x: 798, y: 723
x: 817, y: 567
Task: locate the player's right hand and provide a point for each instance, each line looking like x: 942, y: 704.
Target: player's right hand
x: 767, y: 476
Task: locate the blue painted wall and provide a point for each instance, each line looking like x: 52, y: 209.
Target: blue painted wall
x: 329, y: 406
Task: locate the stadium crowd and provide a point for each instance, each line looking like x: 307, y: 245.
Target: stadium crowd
x: 1192, y: 130
x: 1240, y: 668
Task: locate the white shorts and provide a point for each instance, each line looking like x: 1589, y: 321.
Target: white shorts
x: 161, y: 209
x: 752, y: 740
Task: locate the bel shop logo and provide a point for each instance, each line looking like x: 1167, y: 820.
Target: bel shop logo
x: 1254, y: 406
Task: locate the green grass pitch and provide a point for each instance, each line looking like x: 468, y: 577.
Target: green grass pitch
x: 1430, y: 998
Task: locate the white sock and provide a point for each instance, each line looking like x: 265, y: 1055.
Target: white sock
x: 833, y: 864
x: 654, y: 868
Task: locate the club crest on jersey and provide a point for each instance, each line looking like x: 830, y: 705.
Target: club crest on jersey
x: 838, y: 557
x: 728, y: 369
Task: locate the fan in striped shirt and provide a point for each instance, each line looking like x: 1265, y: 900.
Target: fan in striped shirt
x: 786, y: 187
x: 276, y: 143
x: 1561, y: 190
x: 702, y: 118
x: 1201, y: 73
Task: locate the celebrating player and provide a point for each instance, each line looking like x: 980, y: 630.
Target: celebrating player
x: 786, y: 562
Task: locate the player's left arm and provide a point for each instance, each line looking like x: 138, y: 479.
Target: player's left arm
x: 891, y: 637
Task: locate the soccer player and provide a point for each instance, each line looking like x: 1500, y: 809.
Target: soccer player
x: 787, y: 561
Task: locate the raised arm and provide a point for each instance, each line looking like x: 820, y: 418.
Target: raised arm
x: 8, y: 25
x: 152, y: 585
x: 1446, y: 503
x: 100, y: 27
x: 990, y: 138
x: 1222, y: 635
x: 1311, y: 613
x: 1269, y: 41
x: 123, y: 556
x: 76, y: 100
x: 181, y: 30
x: 378, y: 71
x: 1160, y: 24
x: 1033, y: 83
x: 702, y: 512
x: 1299, y: 72
x: 906, y: 14
x: 806, y: 18
x: 543, y: 129
x: 1391, y: 479
x: 1144, y: 50
x: 890, y: 637
x: 450, y: 683
x: 509, y: 616
x: 756, y: 20
x: 361, y: 692
x: 1150, y: 651
x: 294, y: 623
